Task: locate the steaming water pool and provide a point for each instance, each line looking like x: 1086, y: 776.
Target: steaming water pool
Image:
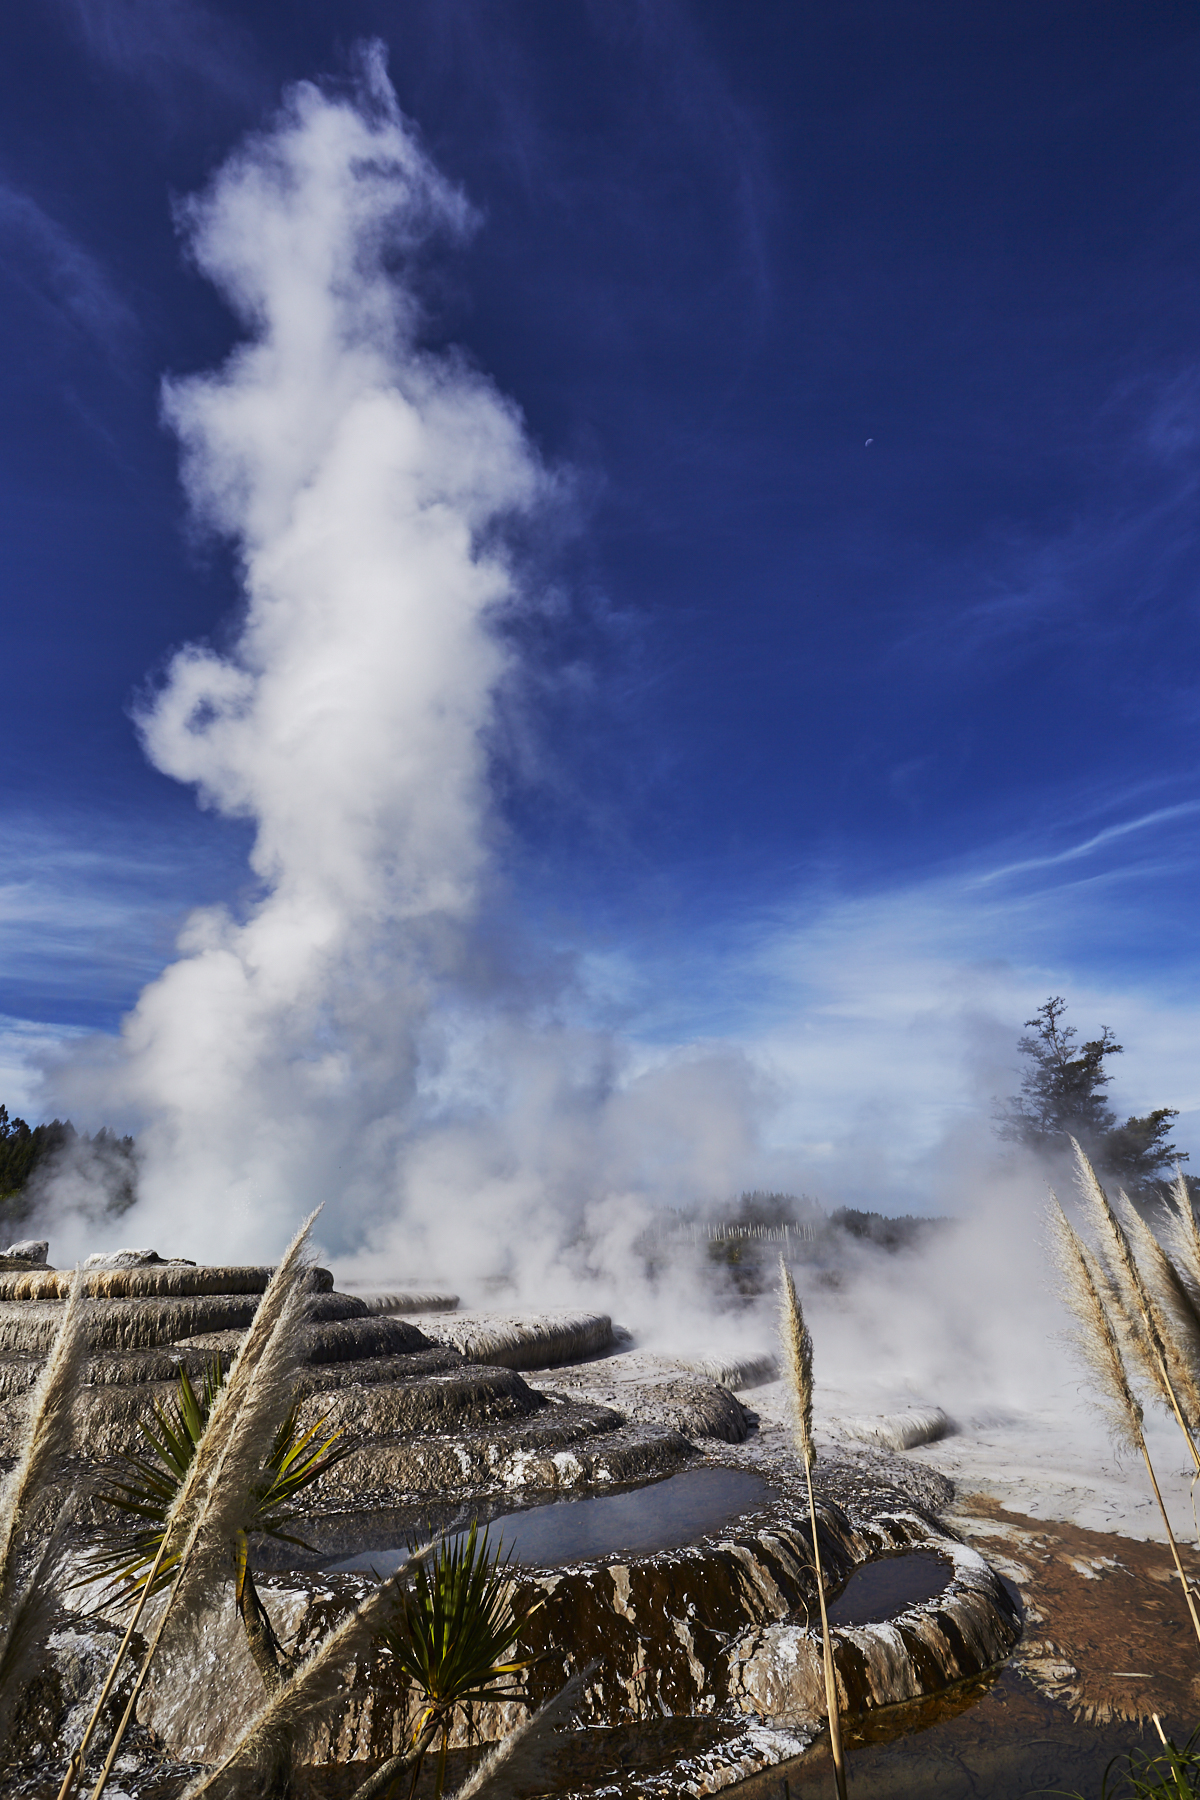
x: 662, y: 1516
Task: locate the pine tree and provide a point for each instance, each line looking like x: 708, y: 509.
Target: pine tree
x: 1062, y: 1097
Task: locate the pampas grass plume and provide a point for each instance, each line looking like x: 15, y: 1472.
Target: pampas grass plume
x: 250, y: 1765
x: 26, y: 1619
x: 27, y: 1606
x: 1141, y: 1316
x: 278, y: 1301
x: 796, y: 1341
x: 1096, y: 1339
x: 1175, y: 1316
x: 250, y: 1403
x: 1183, y: 1236
x: 235, y: 1467
x: 48, y: 1434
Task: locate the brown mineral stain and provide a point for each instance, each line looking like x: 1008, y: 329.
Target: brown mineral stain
x: 1107, y: 1629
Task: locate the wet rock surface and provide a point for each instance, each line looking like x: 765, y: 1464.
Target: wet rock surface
x: 523, y: 1340
x: 993, y: 1739
x: 691, y: 1405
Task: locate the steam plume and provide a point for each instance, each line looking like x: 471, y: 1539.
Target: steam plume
x: 363, y: 481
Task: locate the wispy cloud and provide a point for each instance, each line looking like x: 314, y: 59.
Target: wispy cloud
x: 166, y: 45
x: 25, y: 1045
x: 1099, y: 564
x: 62, y: 273
x: 697, y: 93
x: 1075, y: 852
x: 90, y: 910
x: 676, y: 118
x: 892, y: 1029
x: 883, y: 1024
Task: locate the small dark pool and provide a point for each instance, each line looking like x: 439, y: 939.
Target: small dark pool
x: 663, y: 1516
x: 879, y: 1590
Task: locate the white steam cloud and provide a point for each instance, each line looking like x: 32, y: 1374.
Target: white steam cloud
x: 337, y: 1042
x: 358, y: 477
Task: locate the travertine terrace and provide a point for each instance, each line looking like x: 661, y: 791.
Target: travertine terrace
x: 717, y: 1629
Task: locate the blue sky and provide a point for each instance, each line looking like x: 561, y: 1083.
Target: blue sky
x: 862, y: 348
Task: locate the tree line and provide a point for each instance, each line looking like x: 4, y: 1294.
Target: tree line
x: 31, y: 1154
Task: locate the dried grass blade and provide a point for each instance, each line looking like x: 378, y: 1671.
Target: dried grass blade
x: 509, y: 1764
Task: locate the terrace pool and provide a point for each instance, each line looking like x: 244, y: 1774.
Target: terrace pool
x: 665, y: 1515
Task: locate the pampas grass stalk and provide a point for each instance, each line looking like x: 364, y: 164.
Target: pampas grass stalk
x: 48, y: 1436
x: 1183, y: 1235
x: 27, y: 1607
x: 251, y: 1764
x: 1176, y: 1318
x: 1098, y: 1345
x: 1149, y: 1328
x: 253, y: 1398
x: 797, y: 1355
x: 79, y: 1754
x: 28, y: 1618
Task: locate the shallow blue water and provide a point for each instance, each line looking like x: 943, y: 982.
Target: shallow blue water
x: 662, y: 1516
x: 881, y: 1589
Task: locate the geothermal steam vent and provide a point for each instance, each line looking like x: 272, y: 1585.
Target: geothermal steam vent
x: 701, y: 1612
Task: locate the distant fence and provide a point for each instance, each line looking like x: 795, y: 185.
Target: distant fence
x: 732, y: 1232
